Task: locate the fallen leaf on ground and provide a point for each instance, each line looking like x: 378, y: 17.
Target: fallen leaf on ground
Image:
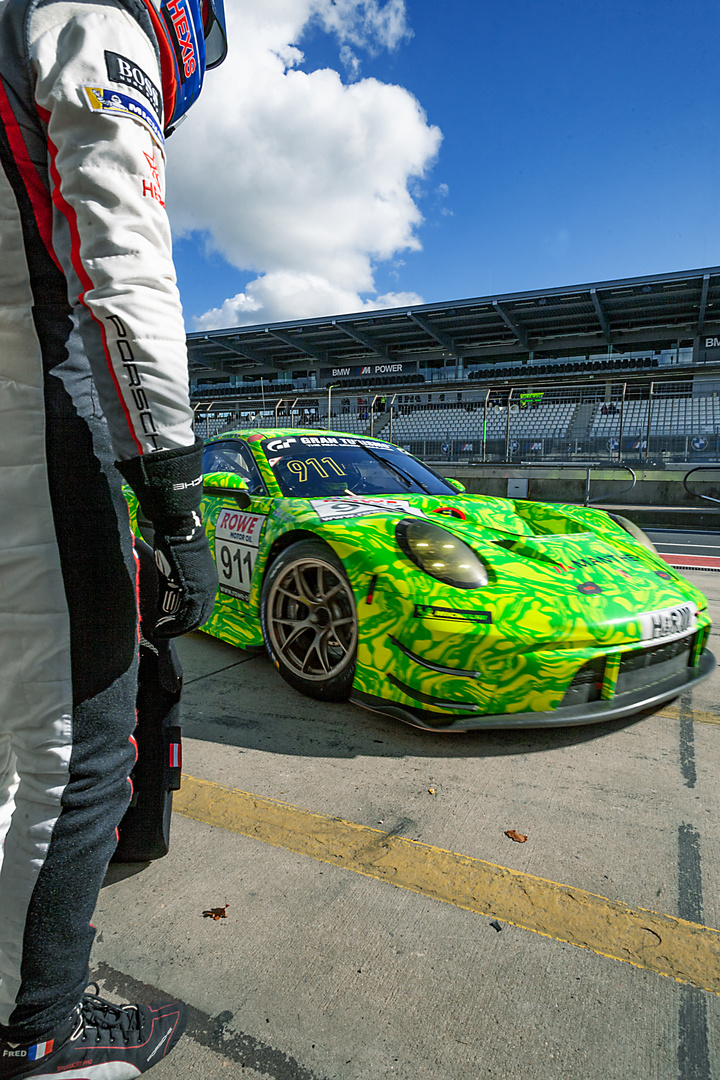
x: 516, y: 836
x: 216, y: 912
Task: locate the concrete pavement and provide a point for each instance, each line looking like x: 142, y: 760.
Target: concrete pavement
x: 324, y: 973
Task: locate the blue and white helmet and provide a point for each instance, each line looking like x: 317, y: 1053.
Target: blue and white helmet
x: 192, y: 37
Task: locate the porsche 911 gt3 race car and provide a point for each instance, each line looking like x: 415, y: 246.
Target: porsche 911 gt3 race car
x: 367, y: 576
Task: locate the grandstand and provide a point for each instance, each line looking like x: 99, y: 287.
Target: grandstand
x: 618, y: 370
x: 564, y: 424
x: 667, y: 416
x: 548, y: 421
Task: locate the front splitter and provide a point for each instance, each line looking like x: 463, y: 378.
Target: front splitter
x: 598, y: 712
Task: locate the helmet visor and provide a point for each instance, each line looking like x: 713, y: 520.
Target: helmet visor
x: 215, y: 34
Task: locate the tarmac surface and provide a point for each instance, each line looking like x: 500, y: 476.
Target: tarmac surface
x: 687, y: 549
x: 380, y: 922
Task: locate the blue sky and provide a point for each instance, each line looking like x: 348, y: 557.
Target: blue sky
x: 579, y: 143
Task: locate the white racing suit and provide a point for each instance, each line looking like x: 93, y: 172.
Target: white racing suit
x: 93, y: 367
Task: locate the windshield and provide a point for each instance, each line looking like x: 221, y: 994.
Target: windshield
x: 317, y: 467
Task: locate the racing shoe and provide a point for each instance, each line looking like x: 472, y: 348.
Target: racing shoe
x: 100, y: 1041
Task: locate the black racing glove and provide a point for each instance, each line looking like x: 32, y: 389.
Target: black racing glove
x: 168, y: 485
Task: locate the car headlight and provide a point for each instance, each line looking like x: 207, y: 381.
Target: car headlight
x: 440, y: 554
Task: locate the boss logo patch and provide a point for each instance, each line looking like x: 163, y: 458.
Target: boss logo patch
x: 122, y: 70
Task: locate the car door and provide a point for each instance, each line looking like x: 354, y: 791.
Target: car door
x: 235, y: 532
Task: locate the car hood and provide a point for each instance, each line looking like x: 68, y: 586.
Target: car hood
x: 575, y: 558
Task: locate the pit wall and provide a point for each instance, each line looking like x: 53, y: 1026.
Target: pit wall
x: 659, y: 498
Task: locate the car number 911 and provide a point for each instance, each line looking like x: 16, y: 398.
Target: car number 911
x: 237, y: 538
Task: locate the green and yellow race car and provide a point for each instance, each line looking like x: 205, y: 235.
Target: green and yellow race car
x: 367, y: 576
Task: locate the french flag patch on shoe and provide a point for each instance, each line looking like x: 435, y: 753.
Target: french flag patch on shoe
x: 40, y: 1050
x: 99, y: 1041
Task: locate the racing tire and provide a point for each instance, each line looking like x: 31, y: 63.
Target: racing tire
x: 309, y: 620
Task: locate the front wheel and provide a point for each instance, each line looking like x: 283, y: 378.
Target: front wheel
x: 309, y: 622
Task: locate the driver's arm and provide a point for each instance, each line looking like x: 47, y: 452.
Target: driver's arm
x: 110, y: 236
x: 110, y: 232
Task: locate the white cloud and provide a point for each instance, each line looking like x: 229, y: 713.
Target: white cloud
x: 289, y: 295
x: 350, y: 61
x: 297, y: 175
x: 365, y: 22
x: 442, y: 191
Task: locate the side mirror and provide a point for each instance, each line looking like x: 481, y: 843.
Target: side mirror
x: 227, y: 484
x: 456, y: 484
x: 635, y: 531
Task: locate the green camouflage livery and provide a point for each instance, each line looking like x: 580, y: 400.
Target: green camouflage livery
x: 571, y: 597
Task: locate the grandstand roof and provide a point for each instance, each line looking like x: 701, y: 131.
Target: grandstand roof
x: 624, y: 313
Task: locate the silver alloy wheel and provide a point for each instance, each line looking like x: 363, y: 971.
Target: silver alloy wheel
x: 311, y: 619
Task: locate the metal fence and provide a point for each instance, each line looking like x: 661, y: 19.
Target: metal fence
x: 637, y: 423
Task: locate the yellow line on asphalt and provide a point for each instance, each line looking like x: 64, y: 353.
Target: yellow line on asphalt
x: 681, y: 950
x: 699, y: 716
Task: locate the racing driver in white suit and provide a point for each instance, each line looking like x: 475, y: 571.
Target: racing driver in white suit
x: 93, y: 384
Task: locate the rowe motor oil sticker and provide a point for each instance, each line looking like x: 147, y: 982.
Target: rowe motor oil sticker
x: 237, y: 538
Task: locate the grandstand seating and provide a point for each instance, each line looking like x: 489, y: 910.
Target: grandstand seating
x: 565, y: 367
x: 354, y: 423
x: 485, y: 373
x: 670, y: 416
x: 551, y: 420
x: 553, y: 428
x: 206, y: 427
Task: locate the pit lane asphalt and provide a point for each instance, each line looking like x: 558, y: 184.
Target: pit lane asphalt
x: 324, y: 973
x: 687, y: 548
